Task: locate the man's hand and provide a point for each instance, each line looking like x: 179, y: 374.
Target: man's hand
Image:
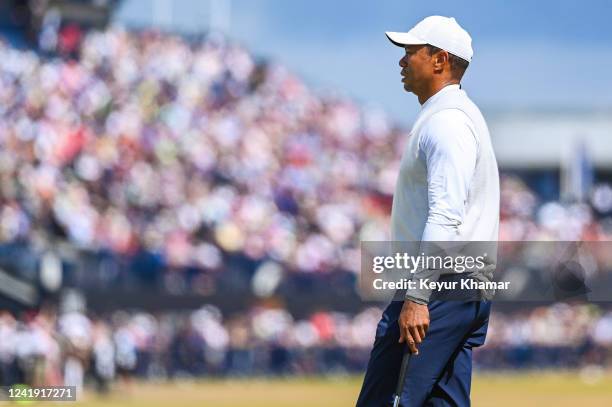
x: 413, y: 324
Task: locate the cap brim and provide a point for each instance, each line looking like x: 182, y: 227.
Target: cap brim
x: 402, y: 39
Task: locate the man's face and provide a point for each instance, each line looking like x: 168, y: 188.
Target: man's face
x: 416, y: 67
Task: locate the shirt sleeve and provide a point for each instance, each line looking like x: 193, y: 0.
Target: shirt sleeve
x: 449, y: 147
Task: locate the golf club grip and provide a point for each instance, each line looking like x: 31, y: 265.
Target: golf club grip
x: 403, y: 370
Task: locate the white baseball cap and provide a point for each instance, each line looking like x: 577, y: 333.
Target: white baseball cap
x: 441, y: 32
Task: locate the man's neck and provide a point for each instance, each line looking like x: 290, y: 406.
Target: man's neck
x: 435, y: 89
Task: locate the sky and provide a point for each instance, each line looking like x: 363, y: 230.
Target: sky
x: 528, y: 55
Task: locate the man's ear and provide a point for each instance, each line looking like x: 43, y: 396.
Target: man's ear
x: 439, y: 59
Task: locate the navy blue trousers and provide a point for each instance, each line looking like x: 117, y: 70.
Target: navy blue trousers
x: 441, y: 374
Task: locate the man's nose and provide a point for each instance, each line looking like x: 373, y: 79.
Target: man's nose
x: 402, y: 62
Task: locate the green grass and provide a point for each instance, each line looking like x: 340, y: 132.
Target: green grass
x: 498, y: 390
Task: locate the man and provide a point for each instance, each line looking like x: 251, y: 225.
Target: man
x: 447, y: 190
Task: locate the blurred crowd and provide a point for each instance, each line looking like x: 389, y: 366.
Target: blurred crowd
x: 553, y: 336
x: 525, y: 217
x: 189, y: 149
x: 73, y: 348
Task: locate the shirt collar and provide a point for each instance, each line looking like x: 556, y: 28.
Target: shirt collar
x: 440, y: 93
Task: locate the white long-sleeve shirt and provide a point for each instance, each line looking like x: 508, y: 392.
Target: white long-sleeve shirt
x: 448, y: 185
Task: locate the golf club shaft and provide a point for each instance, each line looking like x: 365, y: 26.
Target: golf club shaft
x: 402, y: 377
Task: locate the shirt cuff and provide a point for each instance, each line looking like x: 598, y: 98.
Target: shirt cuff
x: 417, y: 300
x: 420, y: 294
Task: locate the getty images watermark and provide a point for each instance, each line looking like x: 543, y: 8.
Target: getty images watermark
x: 446, y: 265
x: 509, y: 271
